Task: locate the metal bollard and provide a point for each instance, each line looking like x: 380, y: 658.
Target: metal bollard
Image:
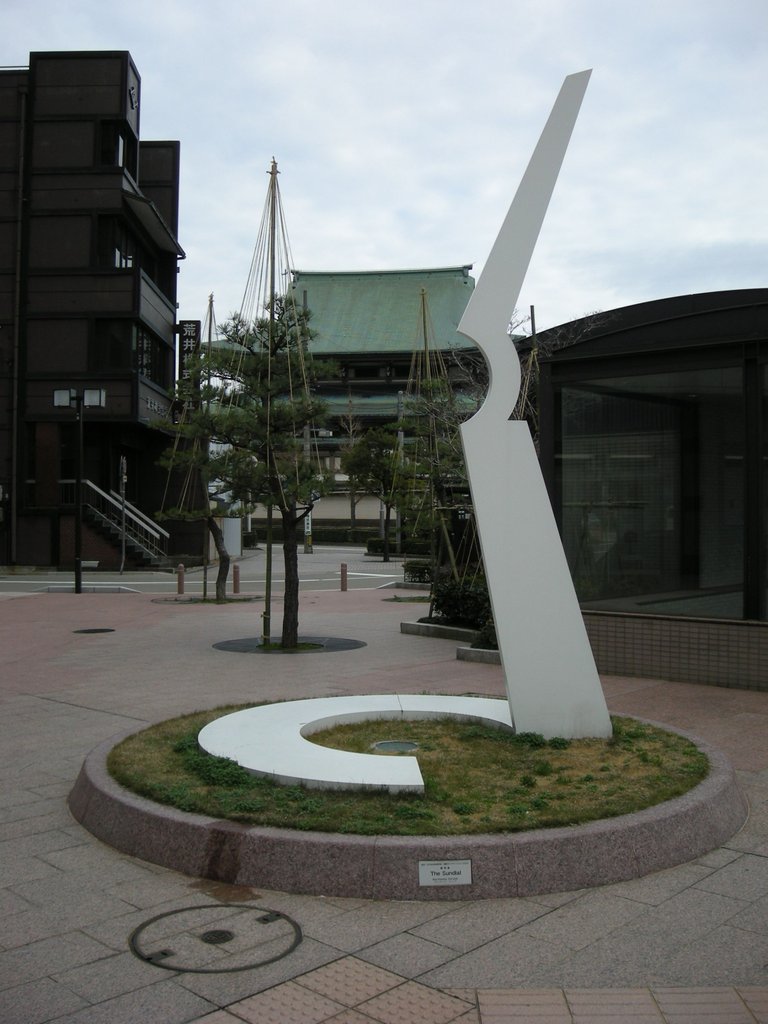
x: 180, y: 579
x: 235, y: 579
x: 343, y: 576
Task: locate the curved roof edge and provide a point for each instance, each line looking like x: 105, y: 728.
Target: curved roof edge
x: 663, y: 317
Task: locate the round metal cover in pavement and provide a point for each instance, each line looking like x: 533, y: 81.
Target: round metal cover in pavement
x: 395, y: 746
x: 96, y: 629
x: 215, y: 938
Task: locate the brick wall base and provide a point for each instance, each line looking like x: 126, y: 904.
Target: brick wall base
x: 718, y: 652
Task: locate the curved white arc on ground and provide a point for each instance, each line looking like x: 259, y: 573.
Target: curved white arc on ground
x: 270, y: 740
x: 551, y: 679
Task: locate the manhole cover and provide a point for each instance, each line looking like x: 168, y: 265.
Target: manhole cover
x: 395, y: 746
x: 99, y: 629
x: 215, y: 938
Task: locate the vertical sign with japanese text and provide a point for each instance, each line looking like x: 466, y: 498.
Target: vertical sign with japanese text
x: 189, y: 352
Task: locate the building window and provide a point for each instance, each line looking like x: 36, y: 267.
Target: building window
x: 118, y: 247
x: 153, y: 357
x: 124, y: 250
x: 118, y: 147
x: 112, y: 347
x: 651, y: 475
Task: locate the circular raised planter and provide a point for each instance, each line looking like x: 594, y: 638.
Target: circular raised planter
x: 388, y: 867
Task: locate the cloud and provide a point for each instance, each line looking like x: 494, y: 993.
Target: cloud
x: 402, y: 131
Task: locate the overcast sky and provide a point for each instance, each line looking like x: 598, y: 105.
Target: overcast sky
x: 401, y: 131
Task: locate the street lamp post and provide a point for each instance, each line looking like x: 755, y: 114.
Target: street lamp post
x: 71, y: 398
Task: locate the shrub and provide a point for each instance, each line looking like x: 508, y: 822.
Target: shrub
x: 486, y: 637
x: 462, y: 603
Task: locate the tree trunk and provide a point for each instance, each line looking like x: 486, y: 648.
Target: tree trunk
x: 224, y: 560
x: 290, y: 635
x: 352, y: 512
x: 387, y: 518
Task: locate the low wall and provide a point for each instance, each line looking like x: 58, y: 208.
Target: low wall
x: 389, y: 867
x: 719, y: 652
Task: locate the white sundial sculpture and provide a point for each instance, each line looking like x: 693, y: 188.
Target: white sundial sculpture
x: 551, y: 680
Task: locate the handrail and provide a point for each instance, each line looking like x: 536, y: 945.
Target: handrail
x: 130, y: 514
x: 138, y: 528
x: 139, y: 514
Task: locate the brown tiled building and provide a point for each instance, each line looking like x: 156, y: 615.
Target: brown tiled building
x: 88, y: 271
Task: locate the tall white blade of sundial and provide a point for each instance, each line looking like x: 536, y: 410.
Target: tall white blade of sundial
x: 552, y: 683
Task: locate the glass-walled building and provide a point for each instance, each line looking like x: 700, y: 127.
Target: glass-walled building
x: 653, y: 447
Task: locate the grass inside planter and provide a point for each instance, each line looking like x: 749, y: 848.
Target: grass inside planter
x: 477, y: 779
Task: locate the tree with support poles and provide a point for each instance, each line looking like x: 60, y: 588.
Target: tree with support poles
x: 244, y: 436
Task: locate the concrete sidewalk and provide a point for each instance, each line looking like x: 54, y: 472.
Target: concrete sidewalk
x: 686, y: 944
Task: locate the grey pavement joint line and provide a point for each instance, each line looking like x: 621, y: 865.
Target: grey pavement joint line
x: 89, y: 708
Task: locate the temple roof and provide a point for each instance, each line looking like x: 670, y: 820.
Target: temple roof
x: 369, y: 312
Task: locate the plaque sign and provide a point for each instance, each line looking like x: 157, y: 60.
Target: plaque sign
x: 445, y: 872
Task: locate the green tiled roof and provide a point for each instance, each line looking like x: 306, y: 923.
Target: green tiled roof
x: 368, y: 312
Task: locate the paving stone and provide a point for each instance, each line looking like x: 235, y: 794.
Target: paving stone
x: 509, y: 960
x: 661, y: 885
x: 108, y: 977
x: 163, y: 1003
x: 33, y: 808
x: 147, y: 890
x: 717, y: 858
x: 681, y: 919
x: 407, y: 955
x: 23, y: 868
x: 287, y: 1004
x: 702, y: 1005
x: 474, y: 924
x: 744, y: 878
x: 518, y: 1006
x: 39, y: 923
x: 218, y: 1017
x: 416, y: 1003
x: 59, y: 820
x: 223, y: 989
x: 581, y: 923
x: 725, y: 956
x: 350, y: 981
x: 368, y: 925
x: 688, y: 927
x: 37, y: 1001
x: 754, y: 917
x: 613, y: 1006
x: 11, y: 903
x: 100, y: 862
x: 756, y: 1001
x: 40, y: 844
x: 45, y: 958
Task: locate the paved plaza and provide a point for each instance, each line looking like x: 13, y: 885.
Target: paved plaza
x: 688, y: 944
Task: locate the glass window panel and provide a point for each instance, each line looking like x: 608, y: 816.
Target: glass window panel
x: 651, y: 472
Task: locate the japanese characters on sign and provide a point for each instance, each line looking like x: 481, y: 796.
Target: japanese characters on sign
x: 189, y: 351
